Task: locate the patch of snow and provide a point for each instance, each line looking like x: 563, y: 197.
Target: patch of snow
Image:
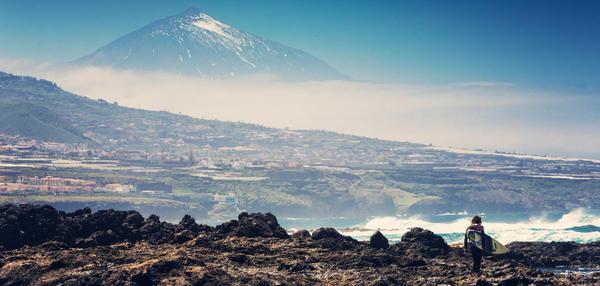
x: 209, y: 24
x: 245, y: 60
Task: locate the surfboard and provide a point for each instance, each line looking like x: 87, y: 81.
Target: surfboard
x: 486, y: 243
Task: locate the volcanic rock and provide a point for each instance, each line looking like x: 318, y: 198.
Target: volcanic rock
x: 326, y: 232
x: 259, y: 225
x: 329, y: 238
x: 188, y: 223
x: 422, y: 242
x: 183, y: 236
x: 424, y: 237
x: 155, y: 231
x: 379, y: 241
x: 301, y: 234
x: 119, y: 248
x: 27, y: 225
x: 552, y: 254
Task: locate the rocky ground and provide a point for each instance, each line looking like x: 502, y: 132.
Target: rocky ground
x: 42, y: 246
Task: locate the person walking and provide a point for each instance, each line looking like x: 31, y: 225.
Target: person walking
x: 475, y: 252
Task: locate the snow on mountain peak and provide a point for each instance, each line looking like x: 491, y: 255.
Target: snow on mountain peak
x: 194, y: 43
x: 207, y: 23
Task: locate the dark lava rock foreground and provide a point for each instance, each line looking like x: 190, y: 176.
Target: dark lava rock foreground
x: 42, y: 246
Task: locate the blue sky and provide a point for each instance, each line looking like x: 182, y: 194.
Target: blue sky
x: 541, y: 44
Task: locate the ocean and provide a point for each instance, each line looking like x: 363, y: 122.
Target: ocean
x: 579, y: 225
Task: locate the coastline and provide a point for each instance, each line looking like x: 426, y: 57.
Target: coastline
x: 42, y: 246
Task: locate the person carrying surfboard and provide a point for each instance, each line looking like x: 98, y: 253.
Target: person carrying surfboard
x: 475, y: 252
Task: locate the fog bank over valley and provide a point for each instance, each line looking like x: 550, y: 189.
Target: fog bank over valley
x: 486, y: 115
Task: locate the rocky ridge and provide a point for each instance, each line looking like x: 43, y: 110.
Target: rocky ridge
x: 43, y: 246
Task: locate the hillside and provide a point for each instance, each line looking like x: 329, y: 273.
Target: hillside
x: 37, y: 122
x: 297, y: 173
x: 102, y: 121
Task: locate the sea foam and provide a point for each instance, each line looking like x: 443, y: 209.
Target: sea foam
x: 538, y: 228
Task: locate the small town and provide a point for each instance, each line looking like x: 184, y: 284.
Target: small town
x: 216, y: 182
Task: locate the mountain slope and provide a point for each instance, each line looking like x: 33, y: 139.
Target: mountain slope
x: 193, y: 43
x: 115, y: 126
x: 37, y: 122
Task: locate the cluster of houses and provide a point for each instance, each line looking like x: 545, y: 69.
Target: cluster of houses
x: 55, y: 184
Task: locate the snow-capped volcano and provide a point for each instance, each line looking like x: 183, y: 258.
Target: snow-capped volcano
x: 194, y: 43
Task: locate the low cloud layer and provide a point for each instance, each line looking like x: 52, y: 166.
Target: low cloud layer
x: 488, y: 115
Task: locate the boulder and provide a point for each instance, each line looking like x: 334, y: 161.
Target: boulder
x: 227, y: 228
x: 425, y: 237
x: 331, y: 239
x: 253, y: 225
x: 421, y: 243
x: 188, y: 223
x: 378, y: 241
x: 301, y: 234
x: 133, y: 220
x: 326, y: 232
x: 156, y: 232
x: 27, y: 225
x: 260, y: 225
x: 115, y: 225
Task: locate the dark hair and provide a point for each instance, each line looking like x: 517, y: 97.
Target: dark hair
x: 476, y: 220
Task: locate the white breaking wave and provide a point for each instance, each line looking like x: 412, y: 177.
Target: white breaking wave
x: 532, y: 229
